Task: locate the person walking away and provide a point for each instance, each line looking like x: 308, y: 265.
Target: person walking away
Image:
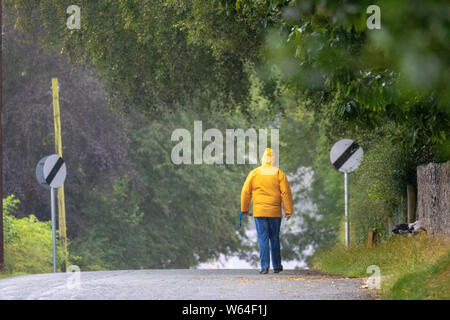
x: 268, y: 187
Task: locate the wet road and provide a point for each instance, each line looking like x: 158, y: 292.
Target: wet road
x: 174, y: 284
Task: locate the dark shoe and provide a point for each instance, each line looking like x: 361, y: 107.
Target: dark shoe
x: 278, y: 270
x: 264, y: 271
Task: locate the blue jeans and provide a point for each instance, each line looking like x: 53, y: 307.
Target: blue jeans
x: 268, y: 229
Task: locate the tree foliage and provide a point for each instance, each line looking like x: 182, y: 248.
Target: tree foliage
x: 127, y: 204
x: 184, y: 214
x: 146, y: 60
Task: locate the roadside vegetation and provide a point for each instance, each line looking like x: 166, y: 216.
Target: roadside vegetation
x: 411, y: 267
x: 28, y: 243
x: 8, y: 275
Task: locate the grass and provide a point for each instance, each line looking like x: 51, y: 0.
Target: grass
x: 416, y: 267
x: 431, y: 283
x: 8, y: 275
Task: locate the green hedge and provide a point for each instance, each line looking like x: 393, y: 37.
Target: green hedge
x: 28, y: 242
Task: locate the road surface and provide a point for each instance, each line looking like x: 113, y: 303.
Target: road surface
x: 177, y: 284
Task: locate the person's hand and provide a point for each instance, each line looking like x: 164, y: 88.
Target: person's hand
x: 245, y: 212
x: 287, y: 216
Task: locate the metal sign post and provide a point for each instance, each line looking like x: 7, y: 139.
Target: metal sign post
x: 52, y: 197
x: 1, y: 147
x: 347, y: 235
x: 51, y: 172
x: 345, y: 156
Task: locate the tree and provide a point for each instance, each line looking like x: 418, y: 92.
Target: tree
x: 128, y: 205
x: 155, y: 55
x: 146, y: 61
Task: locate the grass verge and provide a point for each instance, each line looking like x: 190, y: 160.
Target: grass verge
x: 8, y: 275
x: 417, y: 267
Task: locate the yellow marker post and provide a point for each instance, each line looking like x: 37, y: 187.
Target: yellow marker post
x: 58, y: 149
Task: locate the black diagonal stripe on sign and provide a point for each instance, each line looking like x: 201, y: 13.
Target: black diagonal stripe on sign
x: 346, y: 155
x: 54, y: 171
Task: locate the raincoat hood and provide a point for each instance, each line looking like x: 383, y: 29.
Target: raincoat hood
x: 269, y: 158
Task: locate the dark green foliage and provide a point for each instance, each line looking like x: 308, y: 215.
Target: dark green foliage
x: 127, y: 205
x: 144, y: 57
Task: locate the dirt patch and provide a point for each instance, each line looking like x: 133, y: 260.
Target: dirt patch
x: 289, y: 275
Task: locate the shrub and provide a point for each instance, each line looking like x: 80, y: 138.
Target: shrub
x: 28, y: 242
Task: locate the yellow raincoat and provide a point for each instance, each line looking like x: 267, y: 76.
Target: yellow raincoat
x: 269, y: 187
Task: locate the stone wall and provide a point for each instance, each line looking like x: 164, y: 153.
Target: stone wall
x: 433, y: 197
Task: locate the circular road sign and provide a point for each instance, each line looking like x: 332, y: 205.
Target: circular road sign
x: 51, y: 171
x: 346, y: 155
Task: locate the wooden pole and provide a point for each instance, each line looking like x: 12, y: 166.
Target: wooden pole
x: 411, y: 199
x: 58, y: 150
x: 373, y: 238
